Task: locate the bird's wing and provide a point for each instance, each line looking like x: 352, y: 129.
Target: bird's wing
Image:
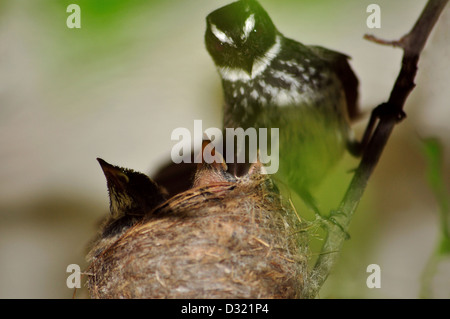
x: 348, y: 78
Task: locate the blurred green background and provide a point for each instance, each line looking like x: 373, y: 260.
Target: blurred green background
x: 117, y: 87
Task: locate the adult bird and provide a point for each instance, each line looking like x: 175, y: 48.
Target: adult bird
x: 309, y: 93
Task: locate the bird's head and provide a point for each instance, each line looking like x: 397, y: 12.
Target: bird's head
x: 130, y: 192
x: 238, y: 34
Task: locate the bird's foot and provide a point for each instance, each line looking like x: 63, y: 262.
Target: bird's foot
x: 382, y: 111
x: 386, y: 110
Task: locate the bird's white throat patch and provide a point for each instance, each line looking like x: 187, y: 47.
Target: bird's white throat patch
x: 259, y: 66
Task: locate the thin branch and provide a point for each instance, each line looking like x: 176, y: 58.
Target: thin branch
x: 387, y: 115
x: 372, y: 38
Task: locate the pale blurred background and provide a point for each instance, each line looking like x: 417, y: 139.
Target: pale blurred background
x: 117, y: 87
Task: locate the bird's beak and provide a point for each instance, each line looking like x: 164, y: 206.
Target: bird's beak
x: 248, y: 66
x: 113, y: 174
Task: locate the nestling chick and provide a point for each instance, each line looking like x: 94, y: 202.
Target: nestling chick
x: 132, y: 195
x: 210, y: 173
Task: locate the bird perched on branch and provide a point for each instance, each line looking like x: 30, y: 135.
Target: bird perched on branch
x: 270, y: 81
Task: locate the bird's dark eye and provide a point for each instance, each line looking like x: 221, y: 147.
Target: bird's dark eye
x: 123, y: 178
x: 219, y: 46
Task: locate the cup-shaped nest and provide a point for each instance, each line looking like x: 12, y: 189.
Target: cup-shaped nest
x: 229, y: 238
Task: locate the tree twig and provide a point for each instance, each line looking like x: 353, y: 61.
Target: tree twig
x: 385, y: 116
x: 395, y: 43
